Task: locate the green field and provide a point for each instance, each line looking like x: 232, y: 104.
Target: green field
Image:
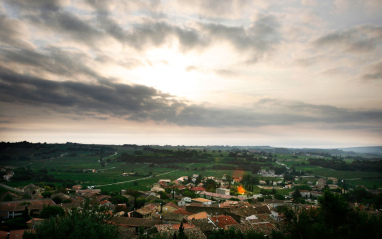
x: 369, y: 183
x: 64, y: 164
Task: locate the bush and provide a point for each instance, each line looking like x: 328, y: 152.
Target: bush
x: 16, y: 224
x: 57, y: 199
x: 52, y: 211
x: 67, y: 201
x: 77, y: 225
x: 7, y: 198
x: 46, y: 194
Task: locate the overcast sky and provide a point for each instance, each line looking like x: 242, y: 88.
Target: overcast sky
x: 203, y: 72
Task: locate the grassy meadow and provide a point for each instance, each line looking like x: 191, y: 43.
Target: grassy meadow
x: 69, y: 162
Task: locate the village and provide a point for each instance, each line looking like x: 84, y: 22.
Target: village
x: 198, y: 204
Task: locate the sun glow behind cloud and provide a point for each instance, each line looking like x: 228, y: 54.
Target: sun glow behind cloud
x: 232, y: 72
x: 166, y: 70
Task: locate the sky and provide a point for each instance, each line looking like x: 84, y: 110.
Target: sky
x: 299, y: 73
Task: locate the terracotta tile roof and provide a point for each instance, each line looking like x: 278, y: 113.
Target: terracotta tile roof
x: 185, y: 226
x: 262, y: 218
x: 264, y: 227
x: 143, y: 211
x: 102, y: 197
x: 181, y: 211
x: 263, y: 209
x: 103, y: 202
x: 173, y: 217
x: 164, y: 227
x: 150, y: 207
x: 3, y: 235
x: 246, y: 211
x: 223, y: 220
x: 171, y: 204
x: 199, y: 215
x: 195, y: 204
x: 198, y: 189
x: 16, y: 234
x: 205, y: 224
x: 200, y: 200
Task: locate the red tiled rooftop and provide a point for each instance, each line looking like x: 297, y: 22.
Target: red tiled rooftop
x: 171, y: 204
x: 223, y: 220
x: 181, y: 211
x: 16, y: 234
x: 198, y: 189
x: 185, y: 226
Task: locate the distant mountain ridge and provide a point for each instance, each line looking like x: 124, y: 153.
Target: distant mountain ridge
x: 369, y: 149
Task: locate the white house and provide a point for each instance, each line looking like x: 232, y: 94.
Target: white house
x: 223, y: 191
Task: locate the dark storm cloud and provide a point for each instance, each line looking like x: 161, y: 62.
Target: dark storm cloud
x: 118, y: 99
x: 158, y: 33
x: 54, y: 60
x: 261, y: 37
x: 360, y: 39
x: 69, y: 24
x: 142, y: 103
x: 51, y: 15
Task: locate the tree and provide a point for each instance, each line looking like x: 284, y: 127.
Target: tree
x: 46, y: 194
x: 133, y: 193
x: 16, y: 224
x: 51, y: 211
x: 57, y: 200
x: 279, y: 196
x: 334, y: 219
x: 181, y: 234
x: 163, y: 195
x: 120, y: 200
x: 76, y: 225
x: 140, y: 202
x: 334, y: 208
x: 26, y: 216
x: 229, y: 179
x: 329, y: 181
x: 7, y: 198
x: 296, y: 195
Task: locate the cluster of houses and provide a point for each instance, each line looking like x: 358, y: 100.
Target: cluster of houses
x: 199, y: 216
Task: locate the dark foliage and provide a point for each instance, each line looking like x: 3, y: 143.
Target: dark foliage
x: 77, y: 224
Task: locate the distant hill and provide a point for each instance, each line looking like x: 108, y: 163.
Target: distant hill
x: 364, y: 150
